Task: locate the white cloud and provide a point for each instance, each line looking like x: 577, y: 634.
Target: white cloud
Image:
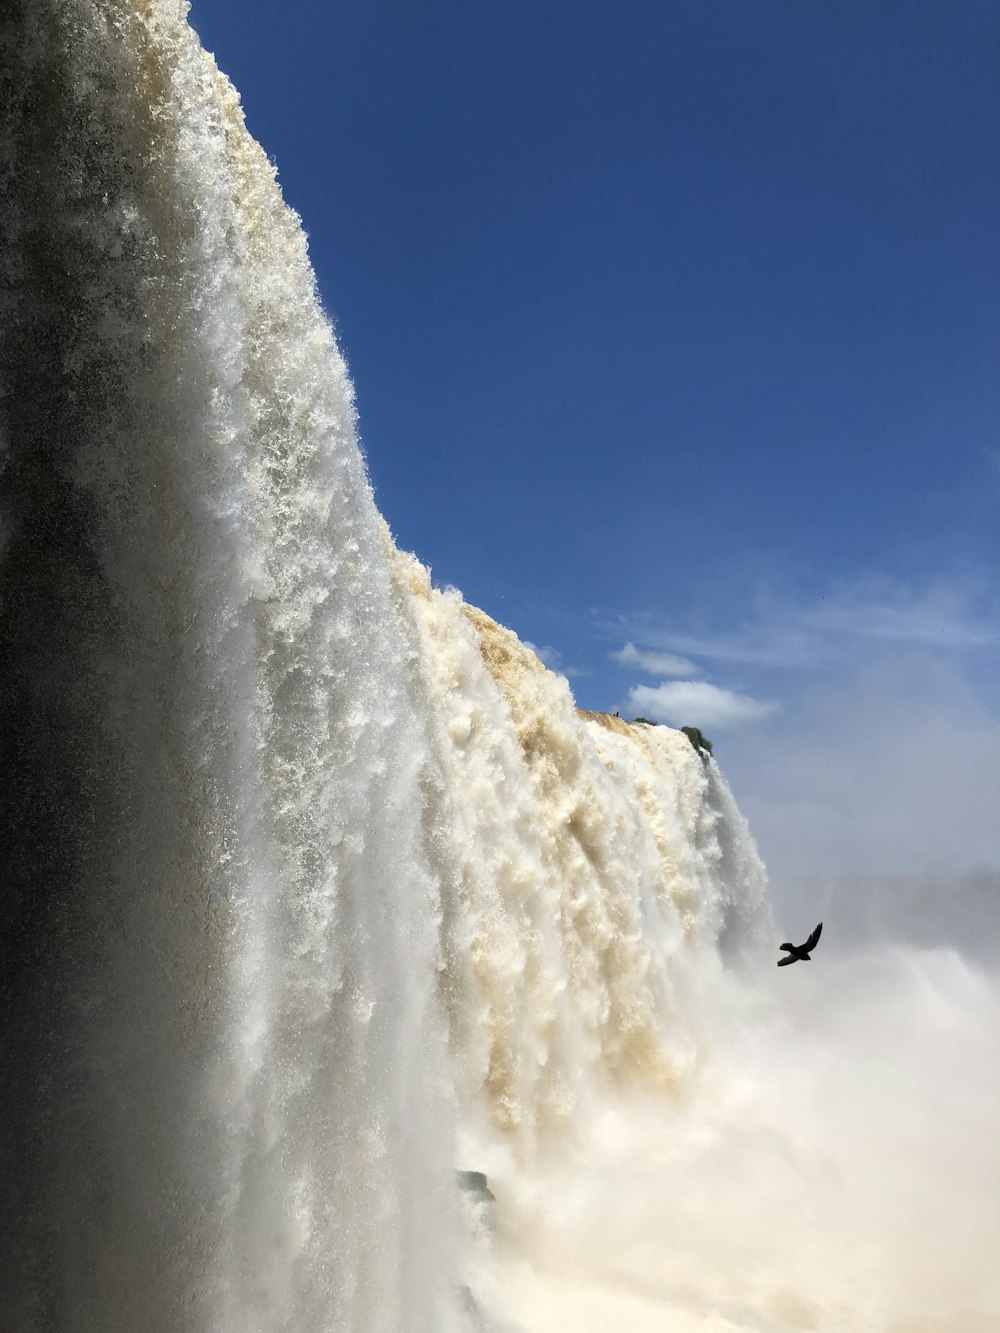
x: 656, y: 664
x: 697, y: 703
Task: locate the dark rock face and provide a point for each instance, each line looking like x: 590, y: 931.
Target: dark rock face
x: 699, y: 740
x: 474, y: 1183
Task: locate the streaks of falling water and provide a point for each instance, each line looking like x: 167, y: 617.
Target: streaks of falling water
x: 301, y: 855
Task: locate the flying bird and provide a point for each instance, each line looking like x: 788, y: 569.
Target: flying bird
x: 799, y: 953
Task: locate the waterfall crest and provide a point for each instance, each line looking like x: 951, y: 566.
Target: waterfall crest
x: 317, y: 879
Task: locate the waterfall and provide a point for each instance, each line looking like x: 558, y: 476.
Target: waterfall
x: 318, y: 886
x: 591, y: 870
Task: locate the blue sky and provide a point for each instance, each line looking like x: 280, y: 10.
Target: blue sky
x: 674, y: 325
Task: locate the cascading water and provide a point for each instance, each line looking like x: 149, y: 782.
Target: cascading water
x: 317, y: 886
x: 589, y: 873
x: 220, y: 943
x: 262, y: 784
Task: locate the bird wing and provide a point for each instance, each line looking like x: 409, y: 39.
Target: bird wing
x: 789, y: 958
x: 813, y: 939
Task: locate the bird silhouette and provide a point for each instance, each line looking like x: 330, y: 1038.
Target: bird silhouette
x: 799, y: 953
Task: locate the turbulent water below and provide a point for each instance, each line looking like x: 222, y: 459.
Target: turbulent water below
x: 319, y: 889
x: 834, y: 1169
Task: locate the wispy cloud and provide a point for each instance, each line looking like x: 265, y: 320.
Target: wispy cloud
x: 656, y: 664
x: 889, y: 768
x: 760, y: 645
x: 834, y: 628
x: 942, y: 615
x: 553, y: 659
x: 698, y: 703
